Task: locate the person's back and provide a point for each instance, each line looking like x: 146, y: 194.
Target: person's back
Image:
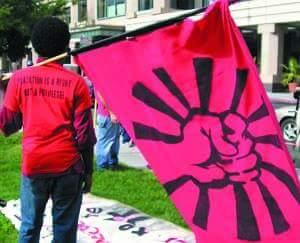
x: 48, y: 99
x: 53, y: 106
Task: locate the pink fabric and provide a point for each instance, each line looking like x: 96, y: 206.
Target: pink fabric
x: 101, y: 109
x: 190, y: 97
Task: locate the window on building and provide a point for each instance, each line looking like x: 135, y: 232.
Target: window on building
x: 183, y: 4
x: 67, y: 15
x: 145, y: 4
x: 206, y: 2
x: 110, y: 8
x: 82, y: 10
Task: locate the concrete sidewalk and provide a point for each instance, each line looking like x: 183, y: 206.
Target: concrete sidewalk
x: 132, y: 157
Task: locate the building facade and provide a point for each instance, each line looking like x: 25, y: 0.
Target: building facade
x: 270, y: 27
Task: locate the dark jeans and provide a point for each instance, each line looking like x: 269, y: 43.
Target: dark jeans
x: 66, y: 194
x: 125, y: 136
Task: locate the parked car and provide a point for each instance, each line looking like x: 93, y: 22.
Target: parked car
x: 285, y: 109
x: 286, y: 118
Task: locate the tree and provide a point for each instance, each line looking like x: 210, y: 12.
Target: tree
x: 17, y: 18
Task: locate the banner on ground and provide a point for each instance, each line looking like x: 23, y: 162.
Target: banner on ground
x: 108, y: 221
x: 190, y: 97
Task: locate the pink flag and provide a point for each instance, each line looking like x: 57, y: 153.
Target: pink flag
x: 190, y: 97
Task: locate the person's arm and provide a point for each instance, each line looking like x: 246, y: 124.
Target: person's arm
x: 112, y: 116
x: 85, y: 134
x: 4, y: 79
x: 10, y: 121
x: 85, y: 137
x: 10, y: 114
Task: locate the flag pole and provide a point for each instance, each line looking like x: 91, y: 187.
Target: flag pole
x: 143, y: 30
x: 52, y: 59
x: 95, y: 113
x: 125, y: 35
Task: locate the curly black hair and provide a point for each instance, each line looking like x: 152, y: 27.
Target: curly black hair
x: 50, y: 37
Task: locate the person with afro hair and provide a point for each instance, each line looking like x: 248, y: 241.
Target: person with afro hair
x: 53, y: 106
x: 50, y: 37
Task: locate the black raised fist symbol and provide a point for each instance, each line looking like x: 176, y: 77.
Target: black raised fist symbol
x: 229, y: 156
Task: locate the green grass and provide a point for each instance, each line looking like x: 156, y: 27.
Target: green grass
x: 137, y: 188
x: 9, y: 181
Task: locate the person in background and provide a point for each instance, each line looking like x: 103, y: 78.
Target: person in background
x: 90, y: 88
x: 126, y: 138
x: 52, y: 105
x: 29, y: 63
x: 3, y: 85
x: 108, y: 137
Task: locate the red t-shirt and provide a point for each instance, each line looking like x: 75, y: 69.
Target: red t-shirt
x: 48, y: 97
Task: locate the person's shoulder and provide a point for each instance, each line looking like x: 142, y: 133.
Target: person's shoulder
x: 71, y: 74
x: 19, y: 73
x: 25, y: 71
x: 22, y: 73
